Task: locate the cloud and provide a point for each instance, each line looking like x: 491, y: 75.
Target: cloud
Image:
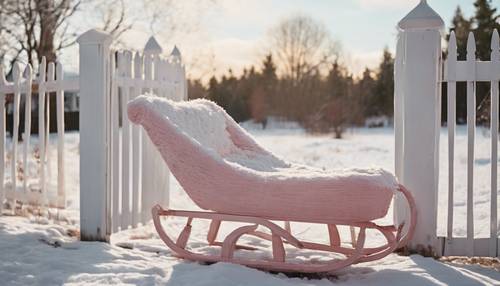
x: 387, y: 4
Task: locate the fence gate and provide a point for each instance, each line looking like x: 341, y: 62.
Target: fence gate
x: 121, y: 173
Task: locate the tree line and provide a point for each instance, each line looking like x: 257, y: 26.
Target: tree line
x: 319, y: 92
x: 303, y: 79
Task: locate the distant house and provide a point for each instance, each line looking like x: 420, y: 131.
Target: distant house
x: 378, y: 121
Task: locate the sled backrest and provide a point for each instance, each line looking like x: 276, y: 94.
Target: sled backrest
x: 201, y: 120
x: 208, y: 124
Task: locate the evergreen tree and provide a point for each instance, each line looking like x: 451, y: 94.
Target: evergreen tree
x: 263, y: 91
x: 269, y: 70
x: 336, y: 81
x: 485, y: 20
x: 462, y: 27
x: 365, y: 93
x: 383, y: 99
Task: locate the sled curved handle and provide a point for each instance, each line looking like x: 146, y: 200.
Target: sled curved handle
x: 413, y: 218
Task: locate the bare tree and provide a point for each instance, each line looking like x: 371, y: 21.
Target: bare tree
x: 32, y: 29
x: 302, y: 47
x: 114, y: 17
x: 36, y: 28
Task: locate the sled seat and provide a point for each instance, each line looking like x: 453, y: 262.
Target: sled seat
x: 223, y: 169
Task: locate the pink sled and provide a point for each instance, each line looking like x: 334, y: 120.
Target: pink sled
x: 225, y: 172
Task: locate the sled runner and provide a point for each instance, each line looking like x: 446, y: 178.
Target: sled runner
x: 227, y: 174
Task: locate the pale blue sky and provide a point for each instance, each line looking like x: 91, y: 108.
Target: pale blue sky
x: 233, y: 33
x: 364, y: 27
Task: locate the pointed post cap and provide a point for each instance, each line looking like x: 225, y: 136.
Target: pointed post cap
x: 95, y: 36
x: 175, y: 52
x: 422, y: 17
x: 152, y: 46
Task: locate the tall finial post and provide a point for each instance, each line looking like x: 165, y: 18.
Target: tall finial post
x: 95, y: 195
x: 417, y: 121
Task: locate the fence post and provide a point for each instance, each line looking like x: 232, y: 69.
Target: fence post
x: 418, y: 119
x: 94, y: 136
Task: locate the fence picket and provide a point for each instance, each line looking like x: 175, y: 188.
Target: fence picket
x: 147, y: 145
x: 136, y: 147
x: 126, y: 178
x: 495, y: 61
x: 61, y: 197
x: 115, y: 148
x: 50, y: 80
x: 27, y: 125
x: 3, y: 82
x: 452, y: 87
x: 17, y: 94
x: 41, y: 127
x: 471, y: 133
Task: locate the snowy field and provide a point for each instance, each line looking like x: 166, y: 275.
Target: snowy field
x: 41, y: 251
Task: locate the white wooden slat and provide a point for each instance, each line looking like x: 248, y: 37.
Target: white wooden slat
x: 126, y: 178
x: 146, y: 172
x: 495, y: 59
x: 452, y: 92
x: 115, y: 148
x: 3, y: 81
x: 177, y: 69
x: 41, y: 127
x: 459, y: 246
x: 61, y: 195
x: 50, y: 79
x: 24, y: 197
x: 167, y: 75
x: 136, y: 147
x: 15, y: 135
x: 184, y: 83
x: 146, y: 85
x: 471, y: 133
x: 157, y: 191
x: 181, y: 81
x: 71, y: 84
x: 27, y: 125
x: 483, y: 73
x: 156, y: 72
x: 161, y: 175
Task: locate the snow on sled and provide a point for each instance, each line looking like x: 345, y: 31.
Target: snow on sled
x: 225, y: 172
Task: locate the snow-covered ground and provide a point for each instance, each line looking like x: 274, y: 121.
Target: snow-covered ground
x: 41, y: 251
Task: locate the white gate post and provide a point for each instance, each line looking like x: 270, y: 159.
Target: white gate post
x: 417, y: 120
x: 94, y: 136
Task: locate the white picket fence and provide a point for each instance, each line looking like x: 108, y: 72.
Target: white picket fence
x: 139, y: 176
x: 122, y: 174
x: 471, y: 71
x: 419, y: 74
x: 26, y: 179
